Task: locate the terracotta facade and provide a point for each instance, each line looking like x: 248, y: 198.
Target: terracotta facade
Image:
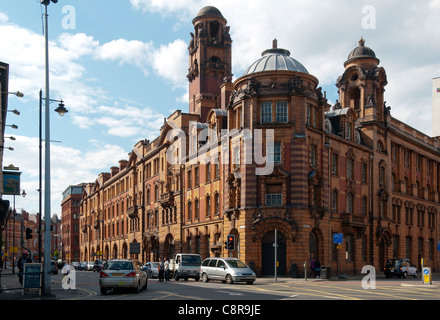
x: 350, y: 168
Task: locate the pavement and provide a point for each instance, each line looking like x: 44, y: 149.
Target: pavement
x: 10, y: 288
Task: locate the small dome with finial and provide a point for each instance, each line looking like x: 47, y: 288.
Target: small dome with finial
x: 361, y: 52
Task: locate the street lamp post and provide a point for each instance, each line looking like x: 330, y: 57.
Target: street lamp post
x: 47, y: 207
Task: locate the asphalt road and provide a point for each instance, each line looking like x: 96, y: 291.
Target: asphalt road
x: 264, y: 289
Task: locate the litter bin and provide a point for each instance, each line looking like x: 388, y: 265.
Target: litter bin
x: 325, y: 272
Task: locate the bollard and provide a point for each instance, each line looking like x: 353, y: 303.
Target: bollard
x: 305, y: 270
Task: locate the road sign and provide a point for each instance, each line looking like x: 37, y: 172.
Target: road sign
x: 32, y: 275
x: 338, y: 238
x: 135, y: 248
x: 427, y: 278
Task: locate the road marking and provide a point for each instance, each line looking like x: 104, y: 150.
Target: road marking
x: 231, y: 293
x: 172, y: 294
x: 90, y: 293
x: 373, y: 292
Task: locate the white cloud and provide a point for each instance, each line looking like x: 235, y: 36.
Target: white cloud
x: 171, y: 62
x: 68, y: 165
x: 165, y: 7
x: 24, y: 51
x: 321, y: 34
x: 3, y: 18
x: 133, y: 52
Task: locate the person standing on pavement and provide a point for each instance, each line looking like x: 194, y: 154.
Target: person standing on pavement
x: 312, y: 267
x: 20, y: 265
x: 167, y: 269
x: 317, y: 268
x: 161, y: 269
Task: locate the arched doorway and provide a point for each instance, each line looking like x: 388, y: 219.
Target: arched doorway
x: 384, y: 244
x: 169, y: 249
x: 268, y: 253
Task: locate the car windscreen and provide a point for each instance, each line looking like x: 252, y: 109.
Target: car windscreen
x: 191, y: 261
x: 393, y: 263
x: 118, y: 265
x: 236, y: 264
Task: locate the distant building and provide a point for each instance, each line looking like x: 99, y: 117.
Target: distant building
x: 436, y: 107
x: 348, y: 168
x: 70, y: 210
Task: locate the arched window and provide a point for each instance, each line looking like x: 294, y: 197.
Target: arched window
x: 350, y: 201
x: 208, y: 206
x: 189, y: 210
x: 335, y: 200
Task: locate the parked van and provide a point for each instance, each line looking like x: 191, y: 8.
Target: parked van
x: 186, y: 265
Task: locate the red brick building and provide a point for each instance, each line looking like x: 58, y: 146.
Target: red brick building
x: 70, y: 223
x: 348, y: 169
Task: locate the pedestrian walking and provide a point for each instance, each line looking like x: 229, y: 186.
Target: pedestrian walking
x: 317, y: 268
x: 312, y: 267
x: 167, y: 269
x: 20, y: 265
x: 161, y: 270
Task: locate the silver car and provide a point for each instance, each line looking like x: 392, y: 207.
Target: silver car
x: 152, y: 269
x: 229, y: 270
x: 122, y: 273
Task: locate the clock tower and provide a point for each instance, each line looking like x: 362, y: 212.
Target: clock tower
x: 209, y: 61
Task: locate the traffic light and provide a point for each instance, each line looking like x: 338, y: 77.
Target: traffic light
x: 28, y: 233
x: 230, y: 243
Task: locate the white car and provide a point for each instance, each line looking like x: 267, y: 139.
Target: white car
x: 122, y: 273
x: 90, y: 265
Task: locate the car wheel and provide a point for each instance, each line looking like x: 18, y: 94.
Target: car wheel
x: 415, y: 274
x: 138, y: 287
x: 229, y: 279
x: 176, y: 277
x: 205, y: 277
x: 405, y: 275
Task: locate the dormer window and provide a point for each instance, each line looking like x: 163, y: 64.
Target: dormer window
x: 348, y: 131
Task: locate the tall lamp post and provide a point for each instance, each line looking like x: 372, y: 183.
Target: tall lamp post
x: 47, y: 208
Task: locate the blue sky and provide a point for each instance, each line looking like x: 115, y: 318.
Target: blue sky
x: 120, y: 66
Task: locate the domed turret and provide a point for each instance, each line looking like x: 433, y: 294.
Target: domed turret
x: 362, y: 85
x: 361, y: 52
x: 208, y: 12
x: 275, y: 60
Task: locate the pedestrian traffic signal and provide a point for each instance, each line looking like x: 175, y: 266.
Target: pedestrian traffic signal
x: 28, y: 233
x: 230, y: 243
